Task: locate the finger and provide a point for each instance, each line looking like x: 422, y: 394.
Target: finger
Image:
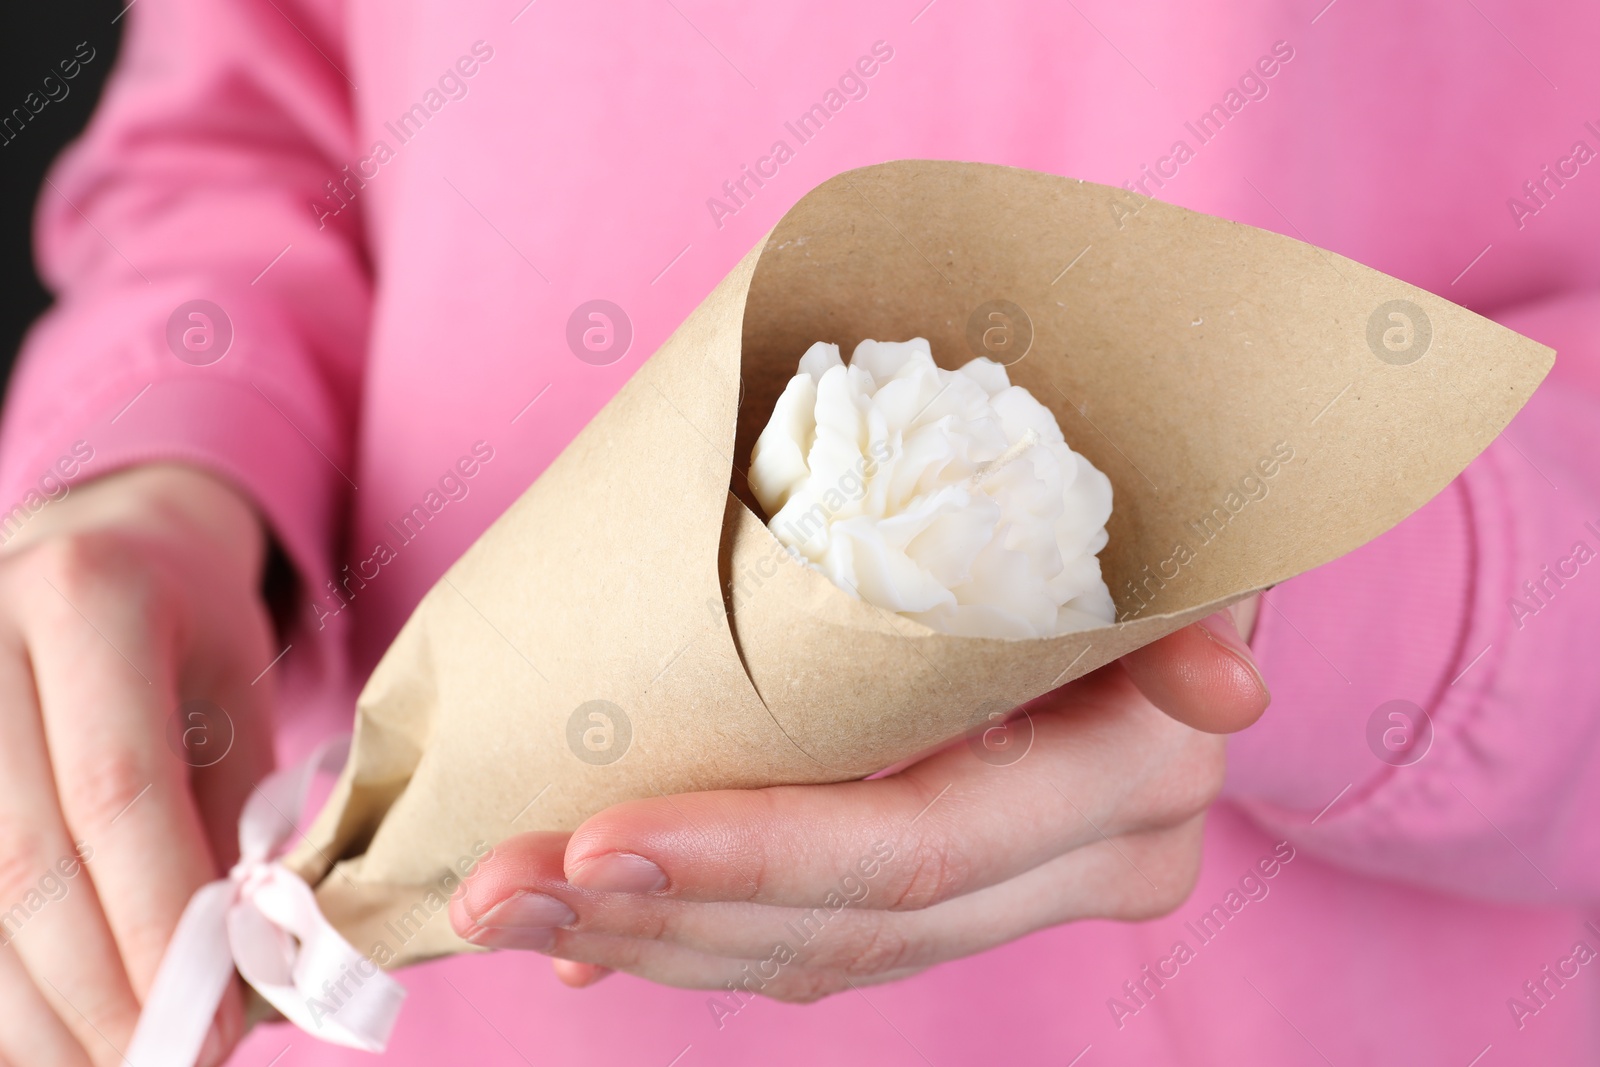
x: 102, y: 654
x: 804, y: 956
x: 656, y: 961
x: 1203, y: 675
x: 502, y: 907
x: 223, y: 771
x: 239, y: 718
x: 54, y: 920
x: 227, y: 744
x: 519, y: 899
x: 579, y: 975
x: 31, y: 1033
x: 1133, y: 877
x: 580, y: 955
x: 775, y: 975
x: 523, y: 863
x: 947, y: 825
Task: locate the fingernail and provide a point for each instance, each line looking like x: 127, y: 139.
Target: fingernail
x: 526, y: 938
x: 525, y: 910
x: 1221, y: 629
x: 620, y: 872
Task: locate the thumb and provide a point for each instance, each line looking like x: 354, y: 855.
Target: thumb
x: 1204, y: 676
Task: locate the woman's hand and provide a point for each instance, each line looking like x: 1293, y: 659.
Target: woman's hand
x: 119, y: 604
x: 797, y: 892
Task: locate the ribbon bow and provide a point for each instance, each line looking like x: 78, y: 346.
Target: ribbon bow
x: 263, y: 920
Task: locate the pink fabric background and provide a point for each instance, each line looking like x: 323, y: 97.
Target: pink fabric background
x: 374, y: 352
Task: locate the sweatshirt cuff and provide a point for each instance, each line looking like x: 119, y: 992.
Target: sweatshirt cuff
x: 235, y: 431
x: 100, y: 386
x: 1339, y: 644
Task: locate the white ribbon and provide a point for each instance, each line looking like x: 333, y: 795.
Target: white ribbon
x: 263, y: 920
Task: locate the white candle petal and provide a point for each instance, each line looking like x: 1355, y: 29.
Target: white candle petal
x: 778, y: 462
x: 948, y: 496
x: 818, y: 359
x: 987, y: 373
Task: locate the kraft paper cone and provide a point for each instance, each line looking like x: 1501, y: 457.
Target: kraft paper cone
x: 630, y: 628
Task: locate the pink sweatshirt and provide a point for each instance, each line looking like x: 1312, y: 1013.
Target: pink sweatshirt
x: 398, y: 206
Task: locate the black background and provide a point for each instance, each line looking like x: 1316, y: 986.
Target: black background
x: 36, y: 37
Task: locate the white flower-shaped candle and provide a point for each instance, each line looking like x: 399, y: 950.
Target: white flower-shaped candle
x: 949, y: 497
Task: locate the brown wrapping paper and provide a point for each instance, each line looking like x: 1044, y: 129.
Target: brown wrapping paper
x: 629, y: 628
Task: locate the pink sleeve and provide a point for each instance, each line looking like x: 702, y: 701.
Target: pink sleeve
x: 1483, y: 609
x: 194, y: 181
